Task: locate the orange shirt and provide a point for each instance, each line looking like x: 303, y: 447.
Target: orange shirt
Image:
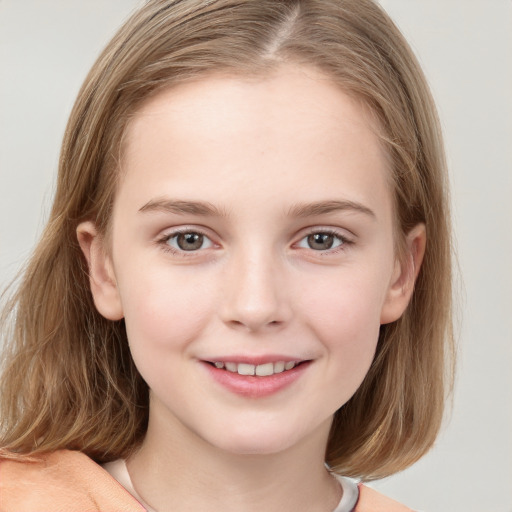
x: 69, y: 481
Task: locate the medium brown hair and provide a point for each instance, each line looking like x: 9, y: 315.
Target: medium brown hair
x: 69, y: 380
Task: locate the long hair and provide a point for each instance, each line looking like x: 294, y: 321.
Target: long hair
x: 69, y: 380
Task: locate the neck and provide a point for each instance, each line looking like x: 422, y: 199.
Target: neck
x: 176, y: 470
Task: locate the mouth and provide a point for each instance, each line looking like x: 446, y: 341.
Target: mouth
x: 256, y: 377
x: 258, y: 370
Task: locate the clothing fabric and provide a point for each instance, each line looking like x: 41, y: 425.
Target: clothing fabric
x: 69, y: 481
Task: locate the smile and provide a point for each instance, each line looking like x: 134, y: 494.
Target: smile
x: 260, y: 370
x: 256, y: 377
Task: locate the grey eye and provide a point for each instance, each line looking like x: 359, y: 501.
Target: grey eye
x: 189, y: 241
x: 321, y: 241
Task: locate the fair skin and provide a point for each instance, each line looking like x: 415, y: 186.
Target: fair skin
x: 253, y: 225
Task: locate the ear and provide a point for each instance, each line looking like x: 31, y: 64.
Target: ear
x: 101, y: 272
x: 404, y: 276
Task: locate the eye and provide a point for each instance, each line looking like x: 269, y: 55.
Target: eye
x: 188, y: 241
x: 322, y: 241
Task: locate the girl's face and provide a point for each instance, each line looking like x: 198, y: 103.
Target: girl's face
x: 252, y: 233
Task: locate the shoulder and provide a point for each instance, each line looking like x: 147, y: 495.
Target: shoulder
x: 372, y: 501
x: 62, y: 480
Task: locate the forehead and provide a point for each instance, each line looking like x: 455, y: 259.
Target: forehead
x: 294, y: 126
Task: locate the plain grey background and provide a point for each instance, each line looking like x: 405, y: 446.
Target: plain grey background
x: 465, y: 46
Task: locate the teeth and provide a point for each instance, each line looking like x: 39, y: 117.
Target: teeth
x: 261, y: 370
x: 246, y: 369
x: 279, y: 367
x: 231, y: 367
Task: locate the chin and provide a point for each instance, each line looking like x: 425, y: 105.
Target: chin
x: 264, y: 440
x: 255, y: 446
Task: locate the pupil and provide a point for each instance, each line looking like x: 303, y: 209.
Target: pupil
x: 320, y: 241
x: 190, y: 241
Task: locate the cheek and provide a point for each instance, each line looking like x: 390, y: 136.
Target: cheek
x: 350, y: 330
x: 347, y: 322
x: 163, y: 311
x: 349, y: 304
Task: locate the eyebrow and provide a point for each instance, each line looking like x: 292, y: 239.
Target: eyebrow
x: 324, y: 207
x: 205, y: 209
x: 201, y: 208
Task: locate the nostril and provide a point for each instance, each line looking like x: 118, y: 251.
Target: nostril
x: 253, y: 324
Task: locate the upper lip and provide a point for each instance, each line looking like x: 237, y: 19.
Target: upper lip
x: 254, y: 360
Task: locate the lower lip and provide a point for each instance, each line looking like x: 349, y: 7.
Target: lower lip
x: 251, y: 386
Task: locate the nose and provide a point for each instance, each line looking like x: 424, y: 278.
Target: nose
x: 255, y: 294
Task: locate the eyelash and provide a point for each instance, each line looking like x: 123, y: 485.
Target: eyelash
x: 164, y: 241
x: 345, y: 241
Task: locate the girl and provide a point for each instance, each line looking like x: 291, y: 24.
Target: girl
x: 243, y: 290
